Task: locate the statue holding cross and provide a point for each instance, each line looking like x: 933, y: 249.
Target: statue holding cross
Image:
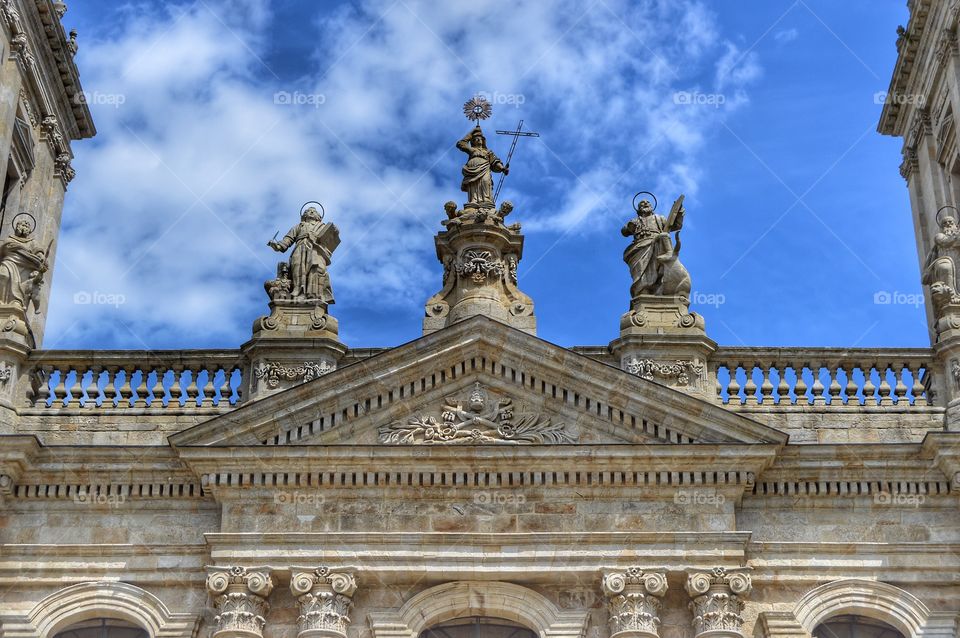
x: 483, y: 162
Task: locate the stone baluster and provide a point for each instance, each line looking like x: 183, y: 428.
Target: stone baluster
x: 800, y: 387
x: 324, y: 596
x: 193, y: 391
x: 851, y: 388
x: 110, y: 388
x: 783, y: 386
x: 900, y: 390
x: 176, y: 390
x: 884, y: 390
x: 869, y: 389
x: 158, y: 392
x: 750, y: 387
x: 240, y: 596
x: 60, y: 391
x: 766, y: 386
x: 209, y: 389
x: 817, y: 388
x: 43, y: 387
x: 225, y: 389
x: 140, y: 401
x: 733, y: 388
x: 76, y: 389
x: 917, y: 390
x: 633, y: 601
x: 126, y: 390
x: 717, y: 606
x: 835, y: 389
x: 93, y: 388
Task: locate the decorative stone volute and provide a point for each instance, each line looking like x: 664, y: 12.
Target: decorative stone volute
x: 717, y: 605
x: 240, y: 596
x: 480, y: 256
x: 324, y: 596
x: 633, y: 602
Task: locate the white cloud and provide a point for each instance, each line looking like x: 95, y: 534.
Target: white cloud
x: 198, y: 168
x: 786, y: 35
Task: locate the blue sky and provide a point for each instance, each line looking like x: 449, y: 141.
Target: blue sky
x: 796, y: 214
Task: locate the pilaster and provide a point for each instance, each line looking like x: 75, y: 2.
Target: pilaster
x: 717, y: 605
x: 325, y: 599
x: 240, y: 597
x: 633, y: 601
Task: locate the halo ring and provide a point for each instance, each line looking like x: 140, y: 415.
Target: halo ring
x: 323, y: 211
x: 636, y: 208
x: 956, y: 216
x: 33, y: 221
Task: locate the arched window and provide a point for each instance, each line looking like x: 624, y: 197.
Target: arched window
x: 855, y: 627
x: 103, y: 628
x: 476, y: 627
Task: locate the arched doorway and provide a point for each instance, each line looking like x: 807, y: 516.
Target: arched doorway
x: 103, y: 628
x: 476, y: 627
x: 851, y: 626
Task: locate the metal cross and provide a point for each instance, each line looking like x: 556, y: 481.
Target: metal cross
x: 516, y: 135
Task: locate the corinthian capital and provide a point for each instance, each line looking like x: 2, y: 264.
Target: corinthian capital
x: 716, y: 605
x: 324, y: 595
x: 240, y: 596
x: 633, y: 602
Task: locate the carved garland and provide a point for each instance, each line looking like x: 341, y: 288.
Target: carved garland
x: 682, y: 371
x: 275, y: 372
x: 478, y: 264
x: 478, y: 420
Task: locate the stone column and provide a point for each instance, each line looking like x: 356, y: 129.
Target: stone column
x: 325, y: 599
x: 240, y: 596
x: 633, y: 601
x: 717, y: 606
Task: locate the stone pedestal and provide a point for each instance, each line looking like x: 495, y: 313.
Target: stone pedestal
x: 633, y: 601
x: 324, y: 597
x: 661, y: 340
x: 717, y: 607
x: 480, y: 256
x: 239, y: 594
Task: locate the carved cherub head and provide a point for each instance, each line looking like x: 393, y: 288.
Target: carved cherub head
x: 506, y: 208
x: 451, y: 209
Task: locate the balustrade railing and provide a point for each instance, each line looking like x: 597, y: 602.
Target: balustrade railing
x: 130, y: 379
x: 831, y: 377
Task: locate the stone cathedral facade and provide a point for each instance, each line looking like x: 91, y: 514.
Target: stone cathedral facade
x: 479, y: 481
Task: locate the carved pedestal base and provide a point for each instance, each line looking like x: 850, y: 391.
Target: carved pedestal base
x: 662, y: 341
x: 480, y: 256
x: 296, y: 319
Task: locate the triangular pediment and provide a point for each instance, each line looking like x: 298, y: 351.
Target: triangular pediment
x: 478, y: 382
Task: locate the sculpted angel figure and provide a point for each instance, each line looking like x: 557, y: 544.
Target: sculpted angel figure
x: 22, y: 266
x: 940, y: 271
x: 310, y: 258
x: 478, y: 171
